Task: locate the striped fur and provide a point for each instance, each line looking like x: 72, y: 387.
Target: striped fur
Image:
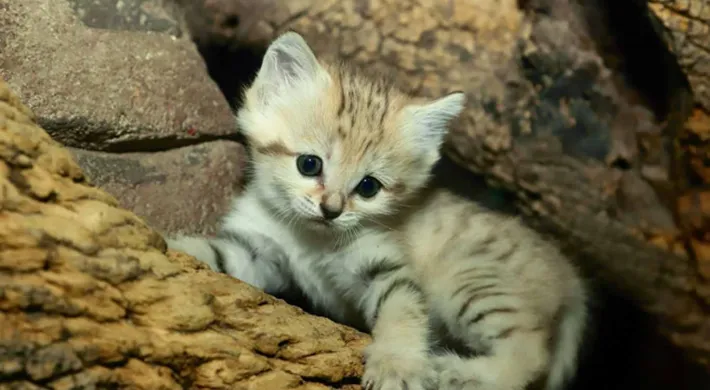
x: 410, y: 257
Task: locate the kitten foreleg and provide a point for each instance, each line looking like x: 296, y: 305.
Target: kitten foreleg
x: 398, y: 358
x: 251, y: 258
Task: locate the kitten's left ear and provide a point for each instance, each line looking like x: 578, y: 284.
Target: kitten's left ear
x: 288, y: 63
x: 429, y: 123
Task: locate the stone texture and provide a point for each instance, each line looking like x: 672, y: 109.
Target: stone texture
x: 688, y: 29
x: 130, y: 15
x: 575, y: 108
x: 89, y: 298
x: 110, y: 75
x: 183, y: 190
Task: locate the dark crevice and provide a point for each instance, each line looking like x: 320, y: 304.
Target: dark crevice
x: 631, y: 45
x: 150, y: 145
x: 66, y: 133
x: 621, y: 164
x: 347, y: 381
x: 231, y: 22
x: 166, y: 143
x: 625, y: 350
x: 231, y: 66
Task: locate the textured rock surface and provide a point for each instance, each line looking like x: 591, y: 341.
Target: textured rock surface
x: 565, y: 112
x: 98, y: 80
x: 688, y: 24
x: 89, y: 298
x: 121, y: 76
x: 183, y: 190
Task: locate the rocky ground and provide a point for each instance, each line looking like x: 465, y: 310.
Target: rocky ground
x: 592, y: 117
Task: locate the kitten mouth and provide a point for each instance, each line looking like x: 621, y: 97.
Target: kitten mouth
x: 321, y: 222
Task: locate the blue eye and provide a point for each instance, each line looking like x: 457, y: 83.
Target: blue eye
x: 368, y: 187
x: 309, y: 165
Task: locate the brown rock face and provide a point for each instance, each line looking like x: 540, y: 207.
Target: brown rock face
x: 183, y: 190
x: 98, y: 81
x: 110, y: 77
x: 90, y: 299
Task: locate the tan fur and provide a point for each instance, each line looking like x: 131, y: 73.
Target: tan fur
x: 464, y: 256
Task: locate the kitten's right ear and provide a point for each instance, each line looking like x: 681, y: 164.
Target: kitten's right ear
x: 287, y: 62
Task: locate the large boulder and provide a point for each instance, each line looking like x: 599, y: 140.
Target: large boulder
x: 120, y: 78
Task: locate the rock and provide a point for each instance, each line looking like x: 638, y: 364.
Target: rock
x: 687, y: 22
x: 127, y: 15
x: 110, y: 75
x: 89, y: 297
x: 182, y: 190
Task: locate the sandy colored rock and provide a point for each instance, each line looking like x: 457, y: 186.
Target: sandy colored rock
x: 90, y: 299
x: 110, y: 75
x: 184, y: 190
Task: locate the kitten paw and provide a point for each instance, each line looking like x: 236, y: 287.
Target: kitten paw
x: 454, y: 375
x: 389, y: 369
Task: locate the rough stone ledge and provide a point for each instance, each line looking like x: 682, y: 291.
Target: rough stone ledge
x: 99, y: 79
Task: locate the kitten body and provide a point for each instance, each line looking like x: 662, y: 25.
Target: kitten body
x: 339, y: 209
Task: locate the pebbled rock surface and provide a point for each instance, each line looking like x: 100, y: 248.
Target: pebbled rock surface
x: 183, y: 190
x: 110, y: 75
x: 90, y: 299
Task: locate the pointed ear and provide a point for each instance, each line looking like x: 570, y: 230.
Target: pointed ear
x: 429, y: 123
x: 288, y: 61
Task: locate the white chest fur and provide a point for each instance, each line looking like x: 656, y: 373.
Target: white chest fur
x: 327, y: 269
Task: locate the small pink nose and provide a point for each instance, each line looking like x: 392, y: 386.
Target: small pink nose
x: 331, y: 206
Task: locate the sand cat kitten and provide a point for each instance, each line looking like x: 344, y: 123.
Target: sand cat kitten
x: 338, y: 208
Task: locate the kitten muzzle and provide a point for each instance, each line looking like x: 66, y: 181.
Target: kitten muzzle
x: 331, y: 206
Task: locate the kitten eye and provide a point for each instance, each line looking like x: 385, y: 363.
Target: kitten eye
x: 309, y: 165
x: 368, y: 187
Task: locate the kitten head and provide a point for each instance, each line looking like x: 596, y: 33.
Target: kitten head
x: 332, y: 148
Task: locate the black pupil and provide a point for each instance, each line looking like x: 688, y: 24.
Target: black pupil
x: 368, y: 187
x: 309, y: 165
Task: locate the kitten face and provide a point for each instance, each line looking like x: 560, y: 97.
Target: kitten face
x: 332, y: 149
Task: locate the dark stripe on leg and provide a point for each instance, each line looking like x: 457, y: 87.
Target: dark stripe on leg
x: 380, y: 268
x: 397, y: 284
x: 480, y: 316
x: 472, y: 298
x: 505, y: 255
x: 505, y: 333
x: 219, y: 257
x: 472, y: 289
